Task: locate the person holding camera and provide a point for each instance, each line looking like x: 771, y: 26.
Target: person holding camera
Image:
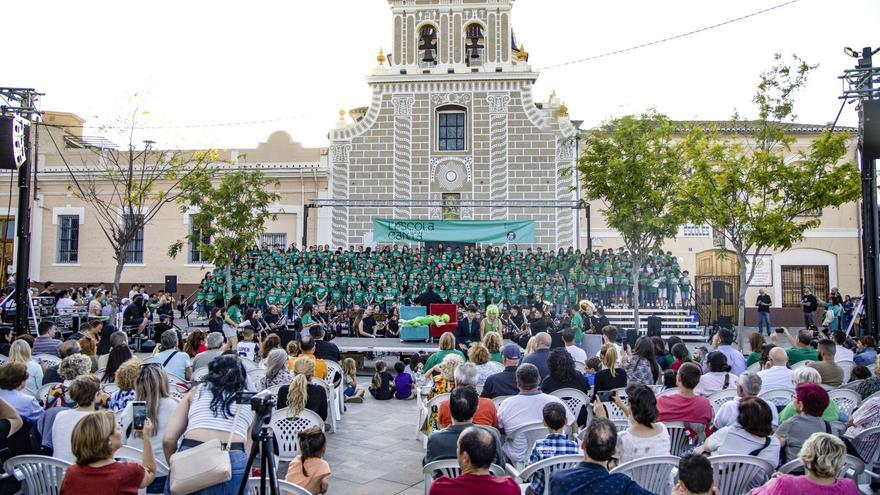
x: 209, y: 411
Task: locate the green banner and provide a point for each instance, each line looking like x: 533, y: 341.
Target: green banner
x: 493, y: 231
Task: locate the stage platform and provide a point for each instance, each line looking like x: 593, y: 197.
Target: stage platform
x: 380, y: 344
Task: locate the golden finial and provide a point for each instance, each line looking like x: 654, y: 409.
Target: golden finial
x: 553, y: 95
x: 523, y: 54
x: 381, y: 57
x: 341, y: 114
x: 563, y: 110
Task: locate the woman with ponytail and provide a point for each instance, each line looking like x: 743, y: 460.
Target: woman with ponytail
x: 309, y: 469
x: 301, y: 393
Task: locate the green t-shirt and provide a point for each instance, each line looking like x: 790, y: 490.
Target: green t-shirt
x: 437, y: 357
x: 831, y: 412
x: 753, y: 358
x: 798, y: 354
x: 234, y: 314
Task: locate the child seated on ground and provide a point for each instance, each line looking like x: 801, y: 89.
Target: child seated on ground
x: 556, y: 443
x: 309, y: 469
x: 247, y: 348
x: 382, y: 387
x: 403, y: 382
x: 352, y: 392
x: 594, y: 364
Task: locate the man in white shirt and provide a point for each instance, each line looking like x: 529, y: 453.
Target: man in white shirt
x: 578, y: 354
x: 778, y: 376
x: 724, y: 344
x: 748, y: 385
x: 64, y: 301
x: 842, y: 353
x: 525, y: 408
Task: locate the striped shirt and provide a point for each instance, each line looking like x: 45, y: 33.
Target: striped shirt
x: 44, y: 344
x: 201, y: 416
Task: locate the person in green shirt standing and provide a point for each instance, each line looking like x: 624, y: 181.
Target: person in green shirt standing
x: 233, y: 320
x: 577, y: 323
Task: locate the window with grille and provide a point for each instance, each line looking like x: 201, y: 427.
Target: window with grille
x: 450, y: 131
x: 796, y: 278
x: 135, y: 250
x: 195, y: 255
x: 274, y: 239
x: 68, y: 239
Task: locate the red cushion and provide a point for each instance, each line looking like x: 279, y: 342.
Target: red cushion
x: 443, y: 309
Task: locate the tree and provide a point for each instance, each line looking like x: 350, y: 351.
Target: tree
x: 633, y: 165
x: 222, y: 229
x: 128, y: 188
x: 754, y: 190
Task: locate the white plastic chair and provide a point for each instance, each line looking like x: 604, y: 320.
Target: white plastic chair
x: 847, y: 367
x: 853, y: 385
x: 331, y: 400
x: 580, y: 367
x: 867, y: 443
x: 41, y: 475
x: 846, y: 400
x: 47, y: 359
x: 667, y: 391
x: 614, y: 413
x: 498, y: 400
x: 852, y: 468
x: 43, y: 392
x: 256, y: 374
x: 130, y: 454
x: 109, y: 388
x: 248, y: 364
x: 532, y: 432
x: 284, y: 488
x: 547, y: 466
x: 450, y: 469
x: 754, y: 367
x: 100, y: 373
x: 3, y: 359
x: 574, y: 400
x: 779, y: 398
x: 719, y: 398
x: 334, y: 376
x: 738, y: 474
x: 286, y: 430
x: 679, y: 437
x: 199, y: 374
x: 800, y: 364
x: 655, y: 474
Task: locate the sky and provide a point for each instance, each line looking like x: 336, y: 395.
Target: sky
x: 263, y: 65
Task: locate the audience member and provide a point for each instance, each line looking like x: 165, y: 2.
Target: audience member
x: 462, y: 406
x: 563, y: 374
x: 809, y: 375
x: 467, y: 330
x: 810, y: 401
x: 641, y: 365
x: 609, y: 337
x: 382, y: 386
x: 866, y: 352
x: 309, y: 469
x: 172, y: 359
x: 70, y: 368
x: 718, y: 377
x: 823, y: 456
x: 756, y: 344
x: 867, y: 415
x: 214, y: 343
x: 20, y: 352
x: 695, y: 476
x: 126, y: 375
x: 724, y: 344
x: 353, y: 393
x: 84, y: 391
x: 209, y: 412
x: 645, y: 436
x: 476, y: 450
x: 801, y: 348
x: 46, y: 343
x: 681, y: 354
x: 541, y: 355
x: 447, y: 346
x: 301, y: 393
x: 751, y: 435
x: 556, y: 443
x: 748, y: 385
x: 323, y: 349
x: 94, y: 441
x: 276, y: 370
x: 307, y: 351
x: 831, y: 373
x: 403, y: 383
x: 486, y: 414
x: 524, y: 408
x: 685, y: 405
x: 494, y: 343
x: 594, y: 364
x: 114, y: 340
x: 568, y: 338
x: 776, y: 375
x: 504, y: 383
x: 842, y: 353
x: 479, y: 355
x: 610, y: 376
x: 13, y: 379
x: 591, y: 477
x: 118, y: 355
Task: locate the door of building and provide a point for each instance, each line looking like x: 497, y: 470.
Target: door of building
x: 717, y: 286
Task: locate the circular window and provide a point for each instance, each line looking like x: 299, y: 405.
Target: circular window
x: 451, y: 176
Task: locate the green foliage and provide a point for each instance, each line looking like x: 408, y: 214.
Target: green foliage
x: 633, y: 165
x: 231, y: 215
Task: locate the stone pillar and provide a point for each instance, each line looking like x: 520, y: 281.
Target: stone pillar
x: 402, y: 154
x: 339, y: 164
x: 565, y: 176
x: 498, y: 171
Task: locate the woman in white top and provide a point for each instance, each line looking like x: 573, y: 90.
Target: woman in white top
x: 479, y: 355
x: 718, y: 377
x: 85, y: 391
x: 150, y: 386
x: 20, y: 352
x: 752, y: 435
x: 209, y: 411
x: 645, y: 437
x: 276, y: 370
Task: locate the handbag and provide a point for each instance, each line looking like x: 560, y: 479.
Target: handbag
x: 202, y: 466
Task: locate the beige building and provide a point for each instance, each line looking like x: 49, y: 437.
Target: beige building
x: 828, y: 256
x: 69, y: 248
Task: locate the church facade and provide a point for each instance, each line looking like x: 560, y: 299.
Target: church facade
x: 453, y: 118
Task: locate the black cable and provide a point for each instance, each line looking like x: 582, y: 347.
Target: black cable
x: 834, y: 125
x: 6, y: 222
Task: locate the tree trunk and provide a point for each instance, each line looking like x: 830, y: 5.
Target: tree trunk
x: 117, y: 276
x: 228, y: 282
x: 743, y: 286
x: 636, y: 268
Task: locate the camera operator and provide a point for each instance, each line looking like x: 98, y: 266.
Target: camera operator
x: 208, y: 412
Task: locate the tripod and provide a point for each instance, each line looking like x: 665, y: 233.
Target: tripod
x: 263, y: 443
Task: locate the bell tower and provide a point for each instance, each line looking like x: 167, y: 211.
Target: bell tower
x: 453, y: 36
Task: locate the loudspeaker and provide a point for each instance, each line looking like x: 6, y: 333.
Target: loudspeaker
x: 871, y: 126
x: 13, y: 132
x: 655, y: 326
x: 718, y: 289
x: 171, y: 284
